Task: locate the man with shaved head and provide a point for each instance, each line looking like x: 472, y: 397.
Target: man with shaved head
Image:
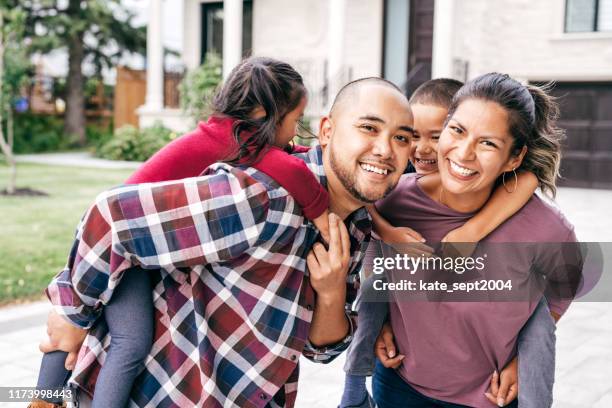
x: 372, y: 124
x: 234, y: 313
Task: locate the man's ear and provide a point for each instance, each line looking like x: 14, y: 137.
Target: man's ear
x: 515, y: 161
x: 326, y: 127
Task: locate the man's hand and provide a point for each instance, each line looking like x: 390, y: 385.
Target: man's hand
x: 63, y: 336
x: 385, y: 350
x: 504, y: 386
x: 328, y: 268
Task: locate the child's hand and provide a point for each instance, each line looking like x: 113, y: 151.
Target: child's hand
x: 384, y: 348
x: 504, y: 386
x: 460, y: 242
x: 400, y: 235
x: 322, y: 224
x: 406, y: 240
x: 63, y: 336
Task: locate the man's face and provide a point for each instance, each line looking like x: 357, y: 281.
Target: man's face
x: 366, y: 143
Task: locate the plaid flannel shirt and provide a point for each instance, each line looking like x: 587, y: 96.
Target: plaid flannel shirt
x: 233, y: 302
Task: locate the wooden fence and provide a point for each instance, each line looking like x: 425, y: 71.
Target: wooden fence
x: 130, y: 93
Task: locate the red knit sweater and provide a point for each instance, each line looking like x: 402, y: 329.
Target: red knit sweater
x: 212, y: 141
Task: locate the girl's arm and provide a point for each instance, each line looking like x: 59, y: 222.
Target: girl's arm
x: 294, y: 175
x: 501, y: 206
x: 403, y: 239
x: 390, y: 234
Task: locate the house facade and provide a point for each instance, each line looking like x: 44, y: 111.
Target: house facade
x: 409, y: 41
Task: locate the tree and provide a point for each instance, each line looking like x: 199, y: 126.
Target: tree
x: 99, y: 32
x: 14, y: 67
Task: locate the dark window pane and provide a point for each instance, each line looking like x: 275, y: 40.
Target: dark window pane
x: 579, y: 15
x: 247, y: 29
x: 214, y: 31
x: 212, y: 28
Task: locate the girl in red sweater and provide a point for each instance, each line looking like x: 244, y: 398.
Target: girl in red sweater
x: 256, y: 114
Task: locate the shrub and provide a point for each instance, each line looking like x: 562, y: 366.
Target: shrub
x: 129, y: 143
x: 39, y: 133
x: 98, y: 135
x: 199, y: 86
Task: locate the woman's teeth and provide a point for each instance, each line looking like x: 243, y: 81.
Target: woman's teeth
x: 461, y: 170
x: 373, y: 169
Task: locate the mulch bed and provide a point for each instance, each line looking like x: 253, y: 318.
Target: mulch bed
x: 24, y: 192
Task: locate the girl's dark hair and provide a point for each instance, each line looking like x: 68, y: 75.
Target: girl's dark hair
x: 257, y: 82
x: 532, y: 116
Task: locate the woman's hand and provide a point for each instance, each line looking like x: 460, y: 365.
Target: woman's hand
x: 328, y: 268
x: 63, y: 336
x: 385, y: 349
x: 504, y: 386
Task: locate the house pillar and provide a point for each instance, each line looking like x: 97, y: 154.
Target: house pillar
x: 336, y: 44
x: 442, y: 52
x: 232, y: 35
x: 155, y: 58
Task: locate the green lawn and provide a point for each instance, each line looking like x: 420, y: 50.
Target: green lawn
x: 36, y: 232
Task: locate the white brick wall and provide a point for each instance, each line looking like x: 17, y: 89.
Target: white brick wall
x: 525, y: 39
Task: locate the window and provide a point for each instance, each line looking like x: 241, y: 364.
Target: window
x: 588, y: 15
x: 212, y: 28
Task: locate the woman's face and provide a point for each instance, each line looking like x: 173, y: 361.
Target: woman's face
x: 474, y: 149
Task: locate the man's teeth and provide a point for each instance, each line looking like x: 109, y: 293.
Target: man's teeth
x: 369, y: 167
x: 461, y: 170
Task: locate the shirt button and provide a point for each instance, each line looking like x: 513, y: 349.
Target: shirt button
x: 309, y: 308
x: 263, y: 396
x: 293, y: 357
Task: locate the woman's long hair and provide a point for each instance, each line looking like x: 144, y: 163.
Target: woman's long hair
x: 257, y: 82
x: 532, y: 117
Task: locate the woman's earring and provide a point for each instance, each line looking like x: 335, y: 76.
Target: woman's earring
x: 515, y: 181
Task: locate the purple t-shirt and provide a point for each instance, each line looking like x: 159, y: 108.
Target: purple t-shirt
x: 452, y: 348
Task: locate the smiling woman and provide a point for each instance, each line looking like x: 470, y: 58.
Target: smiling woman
x: 496, y: 126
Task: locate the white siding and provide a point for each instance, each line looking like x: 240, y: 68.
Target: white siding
x: 525, y: 39
x: 297, y: 30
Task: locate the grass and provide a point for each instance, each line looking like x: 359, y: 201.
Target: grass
x: 36, y: 233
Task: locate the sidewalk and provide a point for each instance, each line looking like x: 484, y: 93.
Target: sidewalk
x: 584, y: 335
x: 75, y: 159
